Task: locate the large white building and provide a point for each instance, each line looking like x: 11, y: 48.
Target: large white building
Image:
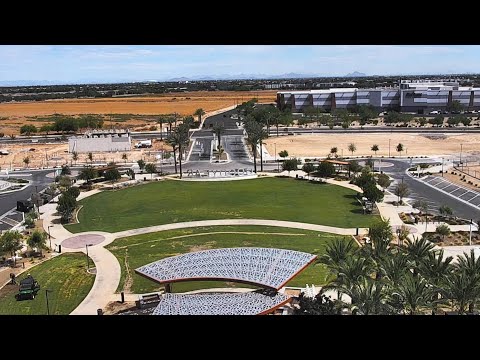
x: 101, y: 141
x: 412, y: 96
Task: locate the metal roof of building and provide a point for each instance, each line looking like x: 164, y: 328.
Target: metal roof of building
x: 267, y: 267
x: 249, y: 303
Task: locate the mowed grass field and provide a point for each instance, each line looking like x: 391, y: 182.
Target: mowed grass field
x: 172, y: 201
x: 65, y: 275
x: 135, y: 251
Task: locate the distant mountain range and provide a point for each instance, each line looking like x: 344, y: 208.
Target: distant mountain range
x: 356, y: 74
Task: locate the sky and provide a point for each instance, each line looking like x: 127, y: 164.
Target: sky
x: 77, y: 63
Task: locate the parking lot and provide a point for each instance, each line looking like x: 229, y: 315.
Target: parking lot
x: 469, y: 196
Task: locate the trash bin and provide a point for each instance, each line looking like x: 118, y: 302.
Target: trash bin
x: 99, y: 312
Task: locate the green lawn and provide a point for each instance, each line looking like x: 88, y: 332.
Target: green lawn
x: 173, y: 201
x: 143, y: 249
x: 65, y: 275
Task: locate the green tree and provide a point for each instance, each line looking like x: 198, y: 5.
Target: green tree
x: 283, y: 154
x: 151, y: 168
x: 75, y: 156
x: 26, y: 160
x: 90, y: 157
x: 199, y: 112
x: 308, y: 168
x: 131, y: 174
x: 38, y: 240
x: 354, y: 167
x: 65, y: 170
x: 334, y: 151
x: 325, y: 169
x: 401, y: 190
x: 422, y: 121
x: 66, y: 206
x: 125, y: 157
x: 112, y: 175
x: 28, y: 129
x: 372, y: 193
x: 319, y: 305
x: 455, y: 107
x: 384, y: 180
x: 88, y: 173
x: 179, y: 138
x: 443, y: 230
x: 255, y: 134
x: 469, y: 265
x: 46, y: 128
x: 375, y: 148
x: 417, y: 251
x: 290, y: 165
x: 73, y: 191
x: 352, y: 148
x: 400, y: 148
x: 10, y: 243
x: 141, y: 164
x: 445, y: 210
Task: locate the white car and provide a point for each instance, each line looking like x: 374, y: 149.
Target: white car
x: 435, y: 112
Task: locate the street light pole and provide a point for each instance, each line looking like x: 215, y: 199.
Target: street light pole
x: 461, y: 149
x: 278, y: 165
x: 389, y: 147
x: 470, y: 239
x: 442, y: 166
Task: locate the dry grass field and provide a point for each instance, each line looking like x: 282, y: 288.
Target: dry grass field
x: 14, y: 115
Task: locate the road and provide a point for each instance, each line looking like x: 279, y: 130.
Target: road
x: 38, y: 181
x: 420, y: 191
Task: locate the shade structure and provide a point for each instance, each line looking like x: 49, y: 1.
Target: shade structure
x: 249, y: 303
x: 265, y: 267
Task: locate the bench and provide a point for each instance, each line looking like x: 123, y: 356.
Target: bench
x: 148, y: 300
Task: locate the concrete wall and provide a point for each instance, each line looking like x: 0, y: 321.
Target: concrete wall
x: 102, y: 144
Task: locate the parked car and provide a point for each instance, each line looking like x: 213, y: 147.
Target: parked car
x: 29, y: 287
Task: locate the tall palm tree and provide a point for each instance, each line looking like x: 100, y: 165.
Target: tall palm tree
x: 179, y: 138
x: 218, y: 130
x: 172, y: 141
x: 199, y: 112
x: 461, y: 290
x: 368, y: 297
x: 160, y: 121
x: 254, y: 134
x: 393, y: 267
x: 336, y: 252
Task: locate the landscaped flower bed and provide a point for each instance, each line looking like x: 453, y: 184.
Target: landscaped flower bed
x: 454, y: 239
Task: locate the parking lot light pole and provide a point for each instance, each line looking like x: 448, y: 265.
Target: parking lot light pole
x: 470, y: 238
x: 442, y: 166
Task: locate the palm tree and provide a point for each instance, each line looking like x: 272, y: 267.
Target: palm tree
x: 414, y: 293
x: 393, y: 267
x: 141, y: 164
x: 199, y: 112
x: 417, y: 251
x: 172, y: 141
x: 445, y: 210
x: 160, y: 121
x: 334, y: 151
x: 461, y: 290
x: 352, y: 147
x: 375, y: 148
x: 368, y: 297
x: 470, y: 265
x: 254, y: 135
x: 75, y: 156
x: 90, y: 157
x: 401, y: 191
x: 218, y: 130
x: 179, y: 137
x: 125, y: 157
x: 436, y: 269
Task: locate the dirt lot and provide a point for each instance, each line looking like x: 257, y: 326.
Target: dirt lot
x: 414, y: 144
x: 57, y: 155
x: 14, y: 115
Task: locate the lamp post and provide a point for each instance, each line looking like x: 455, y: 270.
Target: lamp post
x: 389, y: 147
x: 86, y: 248
x: 398, y: 236
x: 50, y: 236
x: 442, y: 166
x: 46, y: 295
x: 278, y: 164
x: 470, y: 238
x: 461, y: 149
